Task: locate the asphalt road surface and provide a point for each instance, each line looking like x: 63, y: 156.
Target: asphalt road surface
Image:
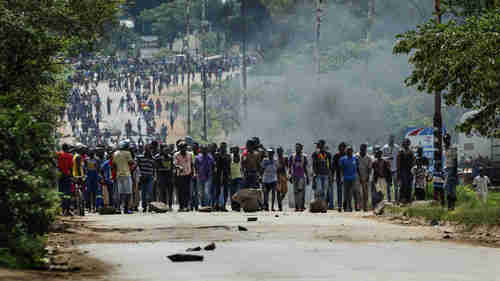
x: 283, y: 246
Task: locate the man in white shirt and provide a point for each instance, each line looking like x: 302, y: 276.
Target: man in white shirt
x: 481, y: 183
x: 390, y: 154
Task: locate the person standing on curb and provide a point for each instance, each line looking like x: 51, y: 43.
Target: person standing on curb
x: 299, y: 176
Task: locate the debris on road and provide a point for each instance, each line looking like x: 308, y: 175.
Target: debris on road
x: 252, y: 219
x: 250, y: 199
x: 158, y: 207
x: 434, y: 222
x: 210, y: 247
x: 206, y: 209
x: 241, y: 228
x: 447, y: 236
x: 379, y: 209
x: 195, y: 249
x: 185, y: 258
x: 108, y: 211
x: 318, y: 206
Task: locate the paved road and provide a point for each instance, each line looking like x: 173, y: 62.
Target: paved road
x: 289, y: 246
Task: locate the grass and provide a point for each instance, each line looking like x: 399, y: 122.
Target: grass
x: 469, y: 211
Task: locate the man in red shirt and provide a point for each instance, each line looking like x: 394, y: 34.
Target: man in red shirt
x: 65, y: 163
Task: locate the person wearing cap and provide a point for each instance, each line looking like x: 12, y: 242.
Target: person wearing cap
x: 65, y: 163
x: 299, y: 176
x: 183, y: 161
x: 349, y: 165
x: 321, y: 161
x: 122, y: 159
x: 269, y: 174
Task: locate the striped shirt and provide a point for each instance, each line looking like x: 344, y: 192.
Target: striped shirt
x: 146, y: 165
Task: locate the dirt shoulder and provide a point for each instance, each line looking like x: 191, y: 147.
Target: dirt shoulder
x: 486, y: 236
x: 66, y: 261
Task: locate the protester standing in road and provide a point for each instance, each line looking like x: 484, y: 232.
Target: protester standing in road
x: 321, y: 161
x: 183, y: 161
x: 299, y: 176
x: 121, y: 161
x: 337, y: 170
x: 146, y: 168
x: 236, y: 176
x: 382, y: 176
x: 223, y: 173
x: 349, y: 165
x: 64, y: 163
x: 269, y: 178
x: 282, y: 186
x: 204, y: 165
x: 365, y: 166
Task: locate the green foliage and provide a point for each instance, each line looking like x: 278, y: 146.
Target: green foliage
x: 469, y: 211
x: 34, y: 36
x: 463, y: 62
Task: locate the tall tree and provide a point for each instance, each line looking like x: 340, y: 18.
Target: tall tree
x: 462, y: 61
x: 35, y: 36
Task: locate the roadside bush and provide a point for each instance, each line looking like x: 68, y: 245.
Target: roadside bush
x: 28, y: 197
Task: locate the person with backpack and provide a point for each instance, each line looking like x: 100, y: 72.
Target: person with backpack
x: 299, y: 176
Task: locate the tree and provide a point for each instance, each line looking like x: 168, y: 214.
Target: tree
x: 168, y: 20
x: 462, y: 61
x: 35, y: 36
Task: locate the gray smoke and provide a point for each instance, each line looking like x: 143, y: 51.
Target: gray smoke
x: 343, y: 105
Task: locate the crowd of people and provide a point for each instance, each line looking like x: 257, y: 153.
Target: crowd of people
x: 134, y: 82
x: 129, y: 177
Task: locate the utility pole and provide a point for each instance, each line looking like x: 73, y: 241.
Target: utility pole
x: 188, y: 61
x: 438, y: 122
x: 244, y: 62
x: 371, y: 19
x: 319, y: 13
x: 204, y: 70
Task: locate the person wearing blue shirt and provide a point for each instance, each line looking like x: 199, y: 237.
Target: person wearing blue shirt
x: 349, y: 166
